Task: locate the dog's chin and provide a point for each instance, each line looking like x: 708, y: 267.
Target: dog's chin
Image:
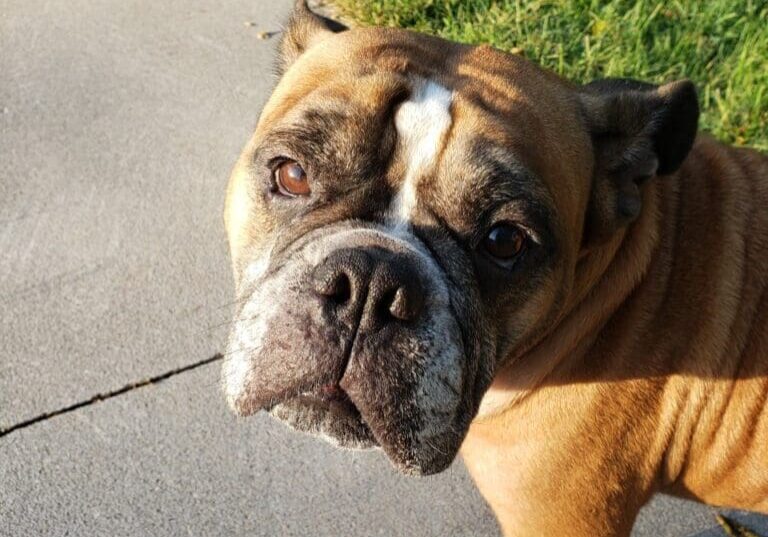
x: 334, y: 418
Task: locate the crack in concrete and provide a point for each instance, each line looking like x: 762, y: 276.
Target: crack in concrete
x: 109, y: 395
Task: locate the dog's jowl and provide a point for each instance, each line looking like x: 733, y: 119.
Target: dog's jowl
x: 443, y: 248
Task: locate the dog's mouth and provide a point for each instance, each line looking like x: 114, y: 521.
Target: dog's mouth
x: 354, y: 339
x: 333, y: 393
x: 327, y: 411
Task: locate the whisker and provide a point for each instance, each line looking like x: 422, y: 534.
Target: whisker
x: 229, y: 304
x: 230, y: 321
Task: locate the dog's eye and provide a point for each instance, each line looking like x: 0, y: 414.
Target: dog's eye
x: 505, y: 241
x: 291, y: 179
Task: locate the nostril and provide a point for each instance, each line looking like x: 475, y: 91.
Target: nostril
x: 406, y: 303
x: 333, y: 285
x: 385, y: 305
x: 341, y: 289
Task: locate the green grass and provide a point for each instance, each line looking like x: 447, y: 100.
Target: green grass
x: 722, y: 45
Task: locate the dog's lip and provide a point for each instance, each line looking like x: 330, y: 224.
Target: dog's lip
x: 335, y: 401
x: 331, y: 392
x: 332, y: 396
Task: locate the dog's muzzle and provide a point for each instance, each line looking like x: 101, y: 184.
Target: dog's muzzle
x: 350, y: 335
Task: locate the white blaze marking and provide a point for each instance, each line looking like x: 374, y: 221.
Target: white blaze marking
x: 421, y: 122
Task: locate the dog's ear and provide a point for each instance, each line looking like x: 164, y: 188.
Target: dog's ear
x: 304, y: 29
x: 638, y: 131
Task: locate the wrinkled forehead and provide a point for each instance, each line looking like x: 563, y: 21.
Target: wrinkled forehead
x: 370, y: 67
x: 463, y: 104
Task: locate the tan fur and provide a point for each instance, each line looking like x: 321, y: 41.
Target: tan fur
x: 665, y: 356
x: 644, y: 361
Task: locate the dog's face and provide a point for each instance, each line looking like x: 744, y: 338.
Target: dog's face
x: 407, y: 217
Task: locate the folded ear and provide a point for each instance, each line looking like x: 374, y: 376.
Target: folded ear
x: 304, y: 29
x: 638, y: 131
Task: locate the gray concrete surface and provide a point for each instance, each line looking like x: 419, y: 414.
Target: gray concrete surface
x: 119, y: 122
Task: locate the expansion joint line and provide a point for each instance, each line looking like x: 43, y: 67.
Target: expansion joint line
x: 109, y: 395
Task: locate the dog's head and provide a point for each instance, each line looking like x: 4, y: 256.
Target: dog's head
x: 409, y: 215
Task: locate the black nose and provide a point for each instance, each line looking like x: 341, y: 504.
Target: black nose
x: 378, y: 286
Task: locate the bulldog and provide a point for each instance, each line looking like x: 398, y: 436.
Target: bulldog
x: 441, y: 248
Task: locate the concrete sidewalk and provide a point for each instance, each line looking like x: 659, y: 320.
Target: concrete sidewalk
x: 119, y: 122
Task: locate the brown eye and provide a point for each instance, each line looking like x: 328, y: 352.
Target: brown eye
x: 291, y: 179
x: 505, y: 241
